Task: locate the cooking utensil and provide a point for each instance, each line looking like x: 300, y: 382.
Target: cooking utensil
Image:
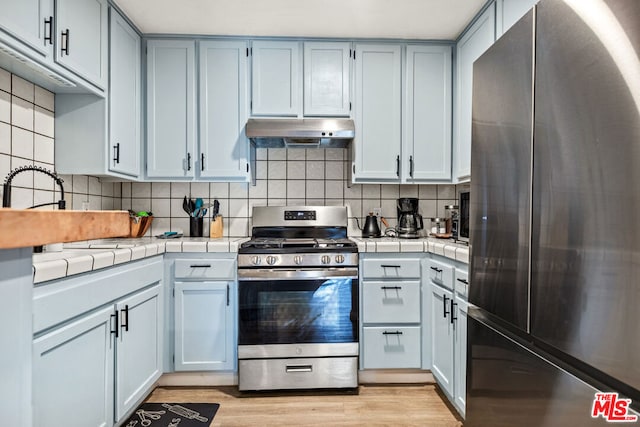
x: 216, y: 208
x: 185, y: 206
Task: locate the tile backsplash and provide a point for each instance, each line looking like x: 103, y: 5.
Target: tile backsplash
x: 27, y: 137
x: 284, y: 176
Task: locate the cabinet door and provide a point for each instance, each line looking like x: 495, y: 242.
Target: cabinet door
x: 204, y: 329
x: 377, y: 112
x: 460, y: 355
x: 81, y: 38
x: 427, y: 114
x: 223, y: 110
x: 171, y: 120
x: 124, y: 97
x: 139, y: 347
x: 29, y: 21
x: 442, y: 337
x: 73, y: 373
x: 327, y: 73
x: 474, y: 43
x: 276, y: 74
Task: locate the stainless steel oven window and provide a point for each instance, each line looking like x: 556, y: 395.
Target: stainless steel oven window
x: 298, y: 311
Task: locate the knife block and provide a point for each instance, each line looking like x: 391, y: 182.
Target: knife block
x: 215, y: 230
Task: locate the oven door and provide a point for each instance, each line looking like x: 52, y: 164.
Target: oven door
x: 313, y: 306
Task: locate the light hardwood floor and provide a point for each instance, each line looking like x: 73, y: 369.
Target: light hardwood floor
x: 373, y: 405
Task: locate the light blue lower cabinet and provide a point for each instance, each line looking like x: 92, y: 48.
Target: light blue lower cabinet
x: 138, y: 348
x: 204, y: 326
x: 97, y: 350
x: 73, y: 373
x: 390, y: 347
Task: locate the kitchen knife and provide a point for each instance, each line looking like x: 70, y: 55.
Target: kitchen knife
x: 216, y: 208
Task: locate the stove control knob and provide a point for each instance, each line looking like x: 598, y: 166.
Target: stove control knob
x: 325, y: 259
x: 339, y: 259
x: 256, y: 260
x: 297, y: 259
x: 271, y: 260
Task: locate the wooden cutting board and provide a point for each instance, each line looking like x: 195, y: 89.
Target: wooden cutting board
x: 22, y: 228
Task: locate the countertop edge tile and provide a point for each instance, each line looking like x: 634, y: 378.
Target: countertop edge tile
x: 50, y: 270
x: 138, y: 252
x: 121, y: 256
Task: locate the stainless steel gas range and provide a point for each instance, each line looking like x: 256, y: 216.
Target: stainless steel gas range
x: 298, y: 300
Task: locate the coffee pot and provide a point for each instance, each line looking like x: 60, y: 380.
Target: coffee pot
x: 371, y: 228
x: 409, y: 220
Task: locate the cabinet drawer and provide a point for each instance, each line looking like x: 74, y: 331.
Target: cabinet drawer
x: 205, y: 269
x: 441, y: 273
x: 390, y: 268
x: 391, y: 347
x: 462, y: 282
x: 391, y: 302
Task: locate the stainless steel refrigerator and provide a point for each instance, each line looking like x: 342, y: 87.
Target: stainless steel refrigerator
x: 554, y: 312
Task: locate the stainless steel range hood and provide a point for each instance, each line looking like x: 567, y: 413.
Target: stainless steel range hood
x: 305, y: 133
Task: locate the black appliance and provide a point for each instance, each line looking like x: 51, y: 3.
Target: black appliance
x: 553, y: 316
x: 462, y: 223
x: 409, y: 220
x: 298, y: 300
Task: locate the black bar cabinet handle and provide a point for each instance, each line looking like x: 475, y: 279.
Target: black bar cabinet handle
x: 444, y: 306
x: 116, y: 153
x: 436, y: 269
x: 116, y: 330
x: 463, y: 281
x: 202, y: 162
x: 390, y: 266
x: 65, y: 46
x: 391, y: 287
x: 398, y: 165
x: 188, y: 161
x: 411, y: 166
x: 200, y: 265
x: 392, y: 333
x: 125, y: 323
x: 453, y: 316
x: 48, y: 34
x: 227, y: 295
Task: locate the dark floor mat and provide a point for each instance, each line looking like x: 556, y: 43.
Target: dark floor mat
x: 173, y: 415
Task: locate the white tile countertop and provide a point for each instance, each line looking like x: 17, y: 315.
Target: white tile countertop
x: 81, y: 257
x: 89, y: 255
x: 445, y: 247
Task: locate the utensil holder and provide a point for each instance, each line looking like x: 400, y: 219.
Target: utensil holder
x: 215, y: 230
x: 195, y: 226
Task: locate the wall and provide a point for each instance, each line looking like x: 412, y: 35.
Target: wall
x: 27, y: 137
x: 285, y: 177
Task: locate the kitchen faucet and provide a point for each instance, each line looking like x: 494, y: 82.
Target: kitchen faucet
x: 6, y: 197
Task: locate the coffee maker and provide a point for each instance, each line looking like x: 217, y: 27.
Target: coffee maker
x: 409, y: 220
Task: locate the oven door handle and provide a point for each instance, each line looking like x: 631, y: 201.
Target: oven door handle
x: 297, y: 274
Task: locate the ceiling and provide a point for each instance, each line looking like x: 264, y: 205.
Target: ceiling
x: 406, y: 19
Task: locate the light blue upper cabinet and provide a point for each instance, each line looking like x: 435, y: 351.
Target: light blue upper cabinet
x: 378, y: 98
x: 171, y: 107
x: 81, y: 38
x: 224, y: 109
x: 476, y: 40
x: 508, y: 12
x: 427, y: 114
x: 29, y: 21
x: 276, y: 78
x: 327, y: 74
x: 124, y: 97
